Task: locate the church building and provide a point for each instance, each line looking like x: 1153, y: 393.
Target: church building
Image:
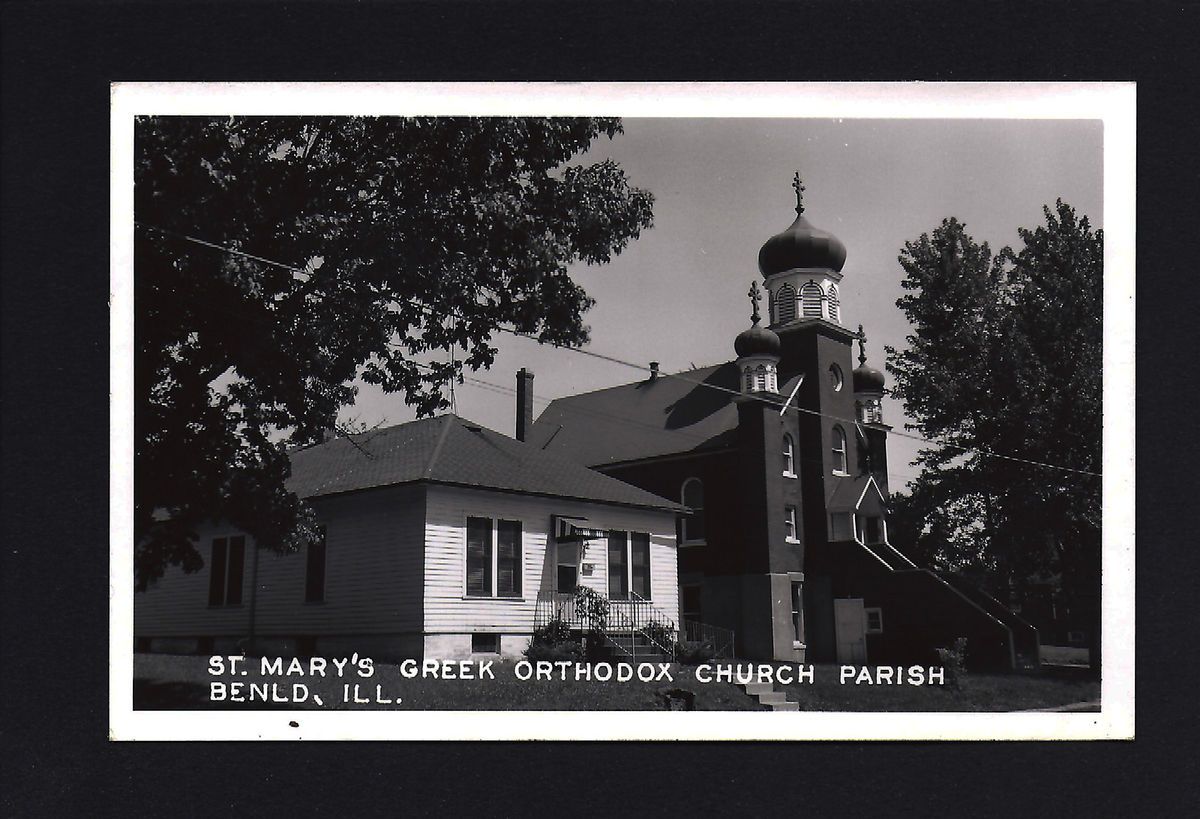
x: 780, y: 457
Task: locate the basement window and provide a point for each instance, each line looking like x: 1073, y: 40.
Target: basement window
x: 485, y: 643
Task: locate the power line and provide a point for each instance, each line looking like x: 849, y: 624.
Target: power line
x: 643, y: 368
x: 501, y: 389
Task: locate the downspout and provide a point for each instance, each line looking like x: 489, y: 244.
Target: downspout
x: 250, y: 648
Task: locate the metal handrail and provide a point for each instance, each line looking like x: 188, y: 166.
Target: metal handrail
x: 721, y: 639
x: 629, y: 618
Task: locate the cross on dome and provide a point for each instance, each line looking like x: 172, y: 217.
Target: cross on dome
x: 755, y: 295
x: 862, y: 346
x: 799, y: 188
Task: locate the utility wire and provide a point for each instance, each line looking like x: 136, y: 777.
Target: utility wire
x: 642, y: 368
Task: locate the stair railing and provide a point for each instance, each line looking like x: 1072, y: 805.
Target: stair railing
x: 721, y: 639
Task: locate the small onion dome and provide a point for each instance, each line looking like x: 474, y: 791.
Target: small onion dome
x: 867, y: 379
x: 801, y: 245
x: 756, y: 341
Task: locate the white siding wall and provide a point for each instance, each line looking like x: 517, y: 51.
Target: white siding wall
x: 380, y: 581
x: 451, y: 616
x: 373, y: 579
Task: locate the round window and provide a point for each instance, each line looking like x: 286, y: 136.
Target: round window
x: 835, y: 377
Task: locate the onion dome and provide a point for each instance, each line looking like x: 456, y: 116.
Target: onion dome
x: 867, y: 379
x: 801, y: 245
x: 756, y: 341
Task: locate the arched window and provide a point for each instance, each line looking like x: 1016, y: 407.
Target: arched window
x: 693, y: 523
x: 789, y: 457
x: 760, y: 377
x: 810, y: 300
x: 785, y: 304
x: 839, y: 451
x: 835, y: 305
x: 749, y: 379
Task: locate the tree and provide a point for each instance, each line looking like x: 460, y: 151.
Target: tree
x: 279, y: 259
x: 1005, y: 359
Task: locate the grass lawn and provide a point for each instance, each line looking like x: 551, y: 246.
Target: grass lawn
x: 164, y: 681
x: 979, y: 692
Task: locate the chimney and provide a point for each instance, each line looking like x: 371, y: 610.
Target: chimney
x: 653, y: 370
x: 524, y: 403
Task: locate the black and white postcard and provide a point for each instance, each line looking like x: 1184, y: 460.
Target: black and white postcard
x: 622, y: 411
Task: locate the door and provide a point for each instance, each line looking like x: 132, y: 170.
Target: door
x: 850, y: 625
x: 567, y: 567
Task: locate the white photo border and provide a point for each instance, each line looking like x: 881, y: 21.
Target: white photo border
x: 1112, y: 103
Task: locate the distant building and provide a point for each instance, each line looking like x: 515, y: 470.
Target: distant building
x: 442, y: 539
x: 787, y: 540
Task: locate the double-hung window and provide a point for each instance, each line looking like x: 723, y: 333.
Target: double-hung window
x: 493, y: 558
x: 628, y: 565
x: 789, y: 524
x: 840, y: 466
x: 226, y: 570
x: 789, y: 457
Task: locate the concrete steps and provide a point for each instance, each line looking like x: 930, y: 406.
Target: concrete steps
x: 769, y: 697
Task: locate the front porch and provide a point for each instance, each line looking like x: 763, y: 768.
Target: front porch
x: 630, y: 627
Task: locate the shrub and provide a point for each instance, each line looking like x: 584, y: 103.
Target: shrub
x: 694, y: 652
x: 660, y: 634
x: 553, y: 641
x: 570, y: 651
x: 592, y: 608
x: 953, y: 661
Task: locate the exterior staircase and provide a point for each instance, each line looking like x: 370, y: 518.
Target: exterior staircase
x: 634, y: 648
x: 768, y: 696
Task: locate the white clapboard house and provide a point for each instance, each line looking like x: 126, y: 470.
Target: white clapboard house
x: 442, y: 539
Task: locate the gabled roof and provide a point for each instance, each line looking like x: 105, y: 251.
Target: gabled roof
x: 667, y: 415
x: 846, y: 494
x: 448, y: 449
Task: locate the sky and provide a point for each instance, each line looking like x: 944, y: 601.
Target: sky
x: 722, y: 187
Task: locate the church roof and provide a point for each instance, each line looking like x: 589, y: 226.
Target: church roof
x: 451, y: 450
x: 659, y: 416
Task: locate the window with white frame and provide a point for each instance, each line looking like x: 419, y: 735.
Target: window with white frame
x: 226, y: 570
x: 789, y: 524
x: 493, y: 558
x: 840, y: 466
x: 874, y: 620
x: 628, y: 565
x: 797, y: 614
x: 836, y: 379
x: 810, y: 300
x: 835, y: 307
x: 785, y: 303
x: 789, y: 457
x: 692, y: 497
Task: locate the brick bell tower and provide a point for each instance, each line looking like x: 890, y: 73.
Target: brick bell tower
x: 802, y: 271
